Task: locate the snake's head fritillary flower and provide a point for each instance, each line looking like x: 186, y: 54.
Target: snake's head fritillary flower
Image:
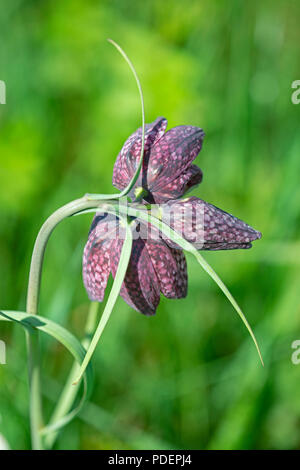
x: 157, y: 264
x: 168, y: 172
x: 206, y: 226
x: 154, y: 267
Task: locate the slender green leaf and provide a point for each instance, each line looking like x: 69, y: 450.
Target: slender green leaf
x: 56, y: 331
x: 114, y: 293
x: 174, y: 236
x: 139, y: 167
x: 170, y: 233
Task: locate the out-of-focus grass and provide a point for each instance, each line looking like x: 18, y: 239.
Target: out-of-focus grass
x: 189, y: 377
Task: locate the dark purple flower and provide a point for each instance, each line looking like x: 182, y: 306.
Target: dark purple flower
x: 154, y: 267
x: 157, y: 264
x: 206, y: 226
x: 167, y: 171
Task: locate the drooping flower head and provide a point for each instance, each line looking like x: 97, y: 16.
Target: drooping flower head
x: 154, y: 266
x: 157, y: 264
x: 167, y: 171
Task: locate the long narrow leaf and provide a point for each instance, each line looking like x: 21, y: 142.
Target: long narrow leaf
x: 139, y: 167
x: 56, y: 331
x: 114, y: 293
x: 170, y: 233
x: 174, y: 236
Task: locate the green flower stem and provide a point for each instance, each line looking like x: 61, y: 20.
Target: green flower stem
x: 40, y: 246
x: 34, y: 283
x: 35, y: 404
x: 69, y: 392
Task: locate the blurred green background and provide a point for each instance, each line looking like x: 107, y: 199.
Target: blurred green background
x: 189, y: 377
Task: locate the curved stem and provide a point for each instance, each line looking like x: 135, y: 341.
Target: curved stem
x: 33, y: 292
x: 40, y: 245
x: 35, y: 404
x: 69, y: 392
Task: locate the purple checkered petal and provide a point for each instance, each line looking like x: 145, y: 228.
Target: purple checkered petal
x: 96, y: 255
x: 206, y: 226
x: 170, y: 267
x: 178, y: 187
x: 172, y: 155
x: 128, y: 158
x: 140, y: 288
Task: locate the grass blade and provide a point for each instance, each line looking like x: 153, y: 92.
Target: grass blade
x: 139, y: 167
x: 114, y: 293
x: 68, y: 340
x: 174, y: 236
